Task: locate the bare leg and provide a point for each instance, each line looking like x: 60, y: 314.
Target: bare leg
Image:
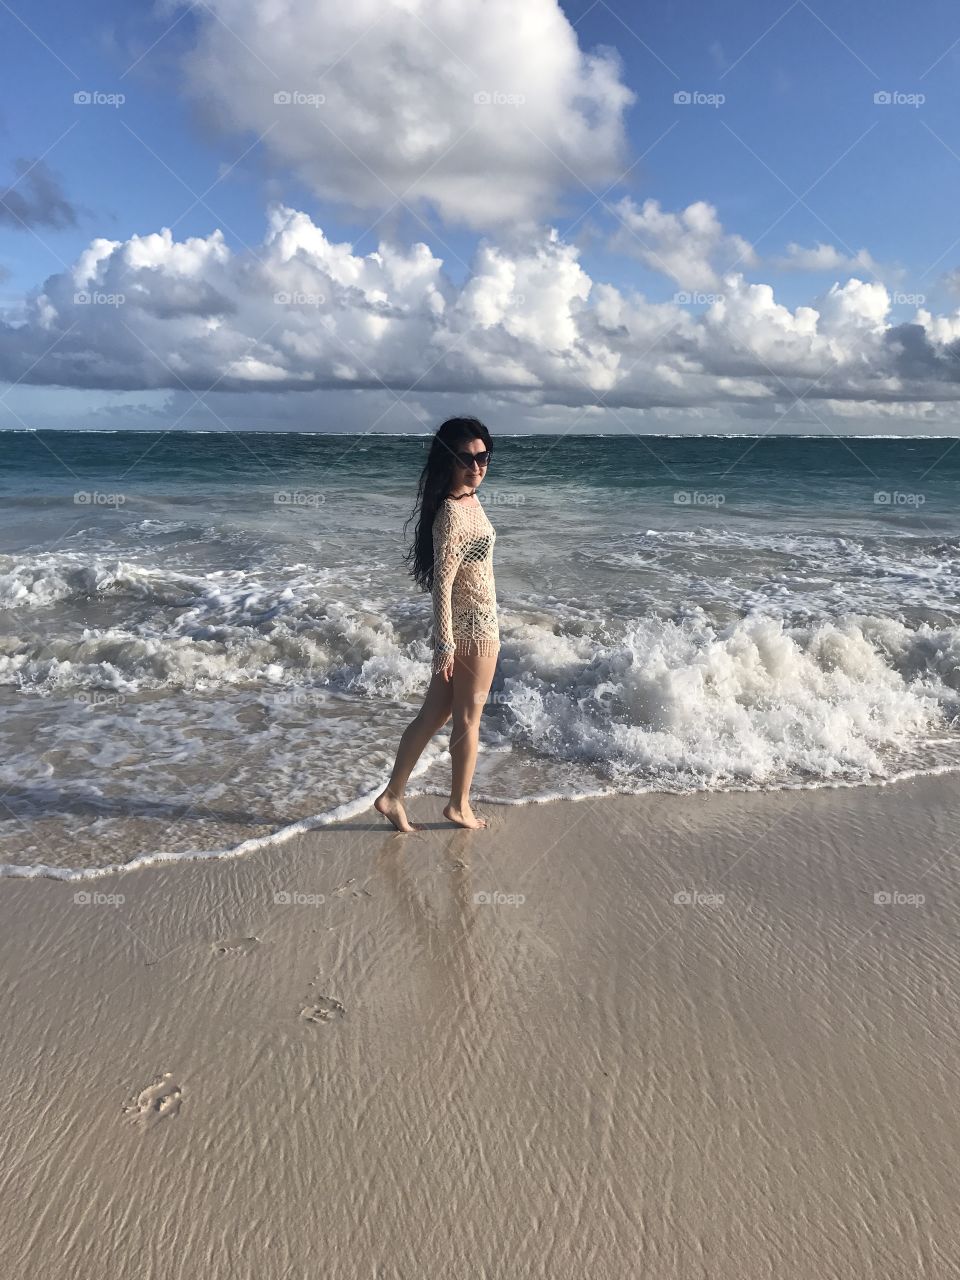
x: 472, y: 678
x: 432, y: 716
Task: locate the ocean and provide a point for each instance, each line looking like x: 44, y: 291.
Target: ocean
x: 208, y: 640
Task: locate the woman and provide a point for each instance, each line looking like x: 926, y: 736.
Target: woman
x: 452, y: 557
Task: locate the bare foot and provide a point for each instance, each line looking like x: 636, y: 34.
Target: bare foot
x: 393, y: 810
x: 464, y: 817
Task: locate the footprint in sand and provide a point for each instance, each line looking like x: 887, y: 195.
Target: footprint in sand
x: 322, y: 1009
x: 234, y: 946
x: 158, y: 1100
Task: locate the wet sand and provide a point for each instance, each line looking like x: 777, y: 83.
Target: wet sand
x: 647, y: 1036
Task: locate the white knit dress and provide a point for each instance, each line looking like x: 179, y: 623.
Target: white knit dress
x: 464, y: 593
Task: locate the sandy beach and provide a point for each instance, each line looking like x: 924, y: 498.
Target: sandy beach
x: 707, y: 1036
x: 546, y: 410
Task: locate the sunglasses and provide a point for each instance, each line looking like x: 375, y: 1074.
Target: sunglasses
x: 466, y: 460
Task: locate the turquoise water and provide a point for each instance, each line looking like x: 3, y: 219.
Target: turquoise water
x: 208, y: 637
x: 798, y: 471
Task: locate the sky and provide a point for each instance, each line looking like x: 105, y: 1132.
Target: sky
x: 592, y: 217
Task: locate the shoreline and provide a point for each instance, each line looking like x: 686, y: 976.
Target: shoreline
x: 668, y: 1035
x: 362, y: 804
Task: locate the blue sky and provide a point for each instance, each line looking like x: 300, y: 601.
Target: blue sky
x: 798, y: 151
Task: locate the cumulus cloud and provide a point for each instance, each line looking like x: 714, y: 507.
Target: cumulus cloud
x: 304, y: 313
x: 854, y: 306
x: 485, y: 121
x: 693, y: 249
x: 690, y: 247
x: 942, y: 330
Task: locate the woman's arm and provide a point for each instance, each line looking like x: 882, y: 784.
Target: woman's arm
x: 448, y: 551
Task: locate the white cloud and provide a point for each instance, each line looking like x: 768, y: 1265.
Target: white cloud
x: 399, y: 115
x: 690, y: 247
x: 825, y: 257
x: 856, y: 304
x: 528, y: 325
x: 534, y: 298
x: 941, y: 329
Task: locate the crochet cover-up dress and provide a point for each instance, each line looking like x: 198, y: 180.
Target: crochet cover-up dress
x: 464, y: 594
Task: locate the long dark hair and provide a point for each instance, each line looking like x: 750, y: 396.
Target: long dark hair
x: 435, y: 481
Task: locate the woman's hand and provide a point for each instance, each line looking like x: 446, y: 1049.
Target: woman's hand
x: 443, y: 660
